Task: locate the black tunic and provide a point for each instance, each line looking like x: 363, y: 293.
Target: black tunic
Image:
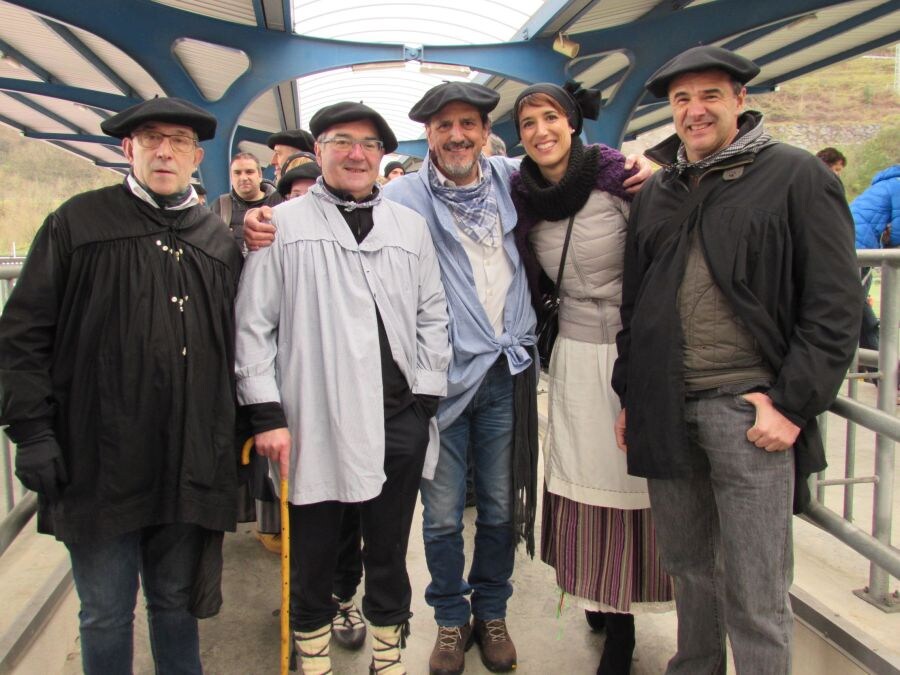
x: 119, y: 336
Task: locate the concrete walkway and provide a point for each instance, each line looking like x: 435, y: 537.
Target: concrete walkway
x: 244, y: 638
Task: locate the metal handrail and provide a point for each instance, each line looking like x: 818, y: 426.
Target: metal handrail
x: 876, y: 547
x: 9, y: 486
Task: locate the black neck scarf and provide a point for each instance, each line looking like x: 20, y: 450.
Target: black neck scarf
x: 569, y: 195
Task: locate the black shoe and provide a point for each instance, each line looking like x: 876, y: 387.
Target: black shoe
x: 619, y: 647
x: 596, y: 620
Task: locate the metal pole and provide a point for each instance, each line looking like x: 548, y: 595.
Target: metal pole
x: 823, y: 431
x: 9, y: 495
x: 850, y: 458
x: 884, y: 446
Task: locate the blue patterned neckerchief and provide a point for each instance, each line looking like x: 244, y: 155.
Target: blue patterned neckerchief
x: 474, y: 207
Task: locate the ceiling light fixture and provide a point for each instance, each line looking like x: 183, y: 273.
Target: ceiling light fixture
x: 566, y: 46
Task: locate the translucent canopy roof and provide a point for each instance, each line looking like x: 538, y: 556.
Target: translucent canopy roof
x: 393, y: 88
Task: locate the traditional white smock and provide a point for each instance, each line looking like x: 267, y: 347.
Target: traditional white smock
x: 308, y: 338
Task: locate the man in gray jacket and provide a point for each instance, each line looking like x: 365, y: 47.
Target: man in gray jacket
x: 342, y: 353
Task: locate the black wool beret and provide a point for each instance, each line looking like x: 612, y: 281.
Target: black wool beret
x: 161, y: 109
x: 310, y: 171
x: 477, y: 95
x: 295, y: 138
x: 698, y: 59
x: 348, y: 111
x: 390, y: 166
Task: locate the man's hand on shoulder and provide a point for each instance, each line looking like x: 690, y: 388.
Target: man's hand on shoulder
x: 771, y: 431
x: 259, y: 232
x: 636, y: 182
x: 276, y: 445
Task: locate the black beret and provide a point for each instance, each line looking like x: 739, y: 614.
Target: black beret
x: 476, y: 95
x: 391, y: 166
x: 161, y: 109
x: 576, y: 101
x: 348, y: 111
x: 295, y: 138
x: 310, y: 170
x: 698, y: 59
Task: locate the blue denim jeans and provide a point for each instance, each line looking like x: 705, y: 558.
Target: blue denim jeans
x: 725, y: 537
x: 488, y: 421
x: 106, y: 577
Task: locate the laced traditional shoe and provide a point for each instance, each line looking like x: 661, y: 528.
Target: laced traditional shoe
x: 449, y: 654
x: 312, y: 648
x: 348, y: 627
x: 498, y: 653
x: 386, y: 644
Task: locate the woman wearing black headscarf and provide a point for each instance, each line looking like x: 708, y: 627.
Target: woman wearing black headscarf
x: 597, y: 531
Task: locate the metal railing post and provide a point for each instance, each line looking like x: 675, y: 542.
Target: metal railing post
x: 884, y: 447
x: 850, y: 457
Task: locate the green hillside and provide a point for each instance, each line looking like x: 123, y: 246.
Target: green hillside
x: 851, y: 106
x: 35, y: 178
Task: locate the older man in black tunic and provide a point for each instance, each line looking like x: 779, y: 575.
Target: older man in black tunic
x: 116, y: 381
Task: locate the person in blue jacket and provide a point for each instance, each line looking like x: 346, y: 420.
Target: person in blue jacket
x: 873, y: 213
x: 876, y: 208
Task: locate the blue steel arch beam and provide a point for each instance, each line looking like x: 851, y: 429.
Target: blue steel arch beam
x: 675, y: 31
x: 274, y: 56
x: 75, y: 138
x: 65, y: 92
x: 277, y: 57
x: 36, y: 69
x: 66, y: 34
x: 46, y: 112
x: 868, y: 16
x: 836, y: 58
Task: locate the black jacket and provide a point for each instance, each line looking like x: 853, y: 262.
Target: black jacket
x: 119, y: 337
x: 778, y: 240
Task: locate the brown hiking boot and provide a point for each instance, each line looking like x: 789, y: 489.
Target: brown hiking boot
x: 449, y: 654
x: 498, y: 653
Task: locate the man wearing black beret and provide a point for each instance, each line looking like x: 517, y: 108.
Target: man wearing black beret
x: 740, y: 313
x: 491, y: 398
x: 345, y: 316
x: 116, y: 372
x: 297, y: 181
x: 286, y: 143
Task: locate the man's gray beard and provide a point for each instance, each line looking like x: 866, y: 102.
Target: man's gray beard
x: 459, y: 172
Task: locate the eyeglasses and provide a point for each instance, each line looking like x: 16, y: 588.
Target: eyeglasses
x: 343, y: 144
x: 151, y: 140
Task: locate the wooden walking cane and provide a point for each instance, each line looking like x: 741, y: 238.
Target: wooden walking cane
x: 285, y: 563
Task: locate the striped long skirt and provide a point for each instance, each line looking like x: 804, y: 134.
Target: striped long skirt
x: 605, y: 558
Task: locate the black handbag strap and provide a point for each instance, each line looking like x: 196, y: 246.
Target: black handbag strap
x: 562, y: 258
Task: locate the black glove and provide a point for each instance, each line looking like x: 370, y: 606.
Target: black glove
x: 40, y: 466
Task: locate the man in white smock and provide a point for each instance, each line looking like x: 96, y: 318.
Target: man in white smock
x: 342, y: 353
